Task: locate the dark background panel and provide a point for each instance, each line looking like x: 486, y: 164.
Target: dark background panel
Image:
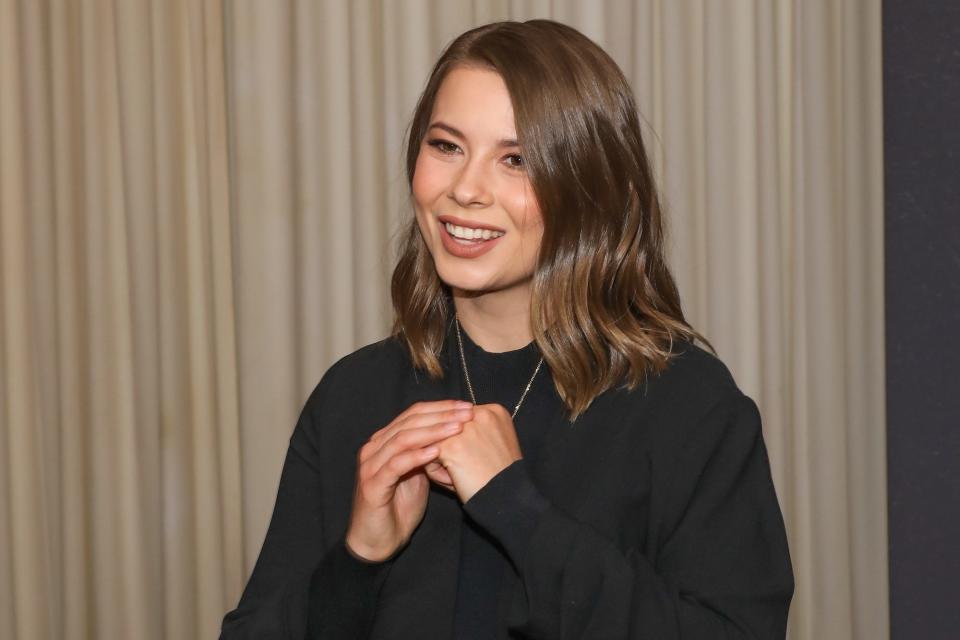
x: 921, y: 77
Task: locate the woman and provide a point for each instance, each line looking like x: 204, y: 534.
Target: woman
x: 539, y: 450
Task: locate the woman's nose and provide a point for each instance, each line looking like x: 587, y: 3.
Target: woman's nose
x: 470, y: 186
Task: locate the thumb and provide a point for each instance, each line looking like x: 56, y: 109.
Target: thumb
x: 439, y: 475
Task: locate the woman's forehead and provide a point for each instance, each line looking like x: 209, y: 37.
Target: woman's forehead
x: 474, y: 102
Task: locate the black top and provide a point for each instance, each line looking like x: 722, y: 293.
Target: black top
x: 500, y: 378
x: 652, y: 516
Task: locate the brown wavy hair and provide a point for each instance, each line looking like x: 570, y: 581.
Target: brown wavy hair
x: 604, y: 307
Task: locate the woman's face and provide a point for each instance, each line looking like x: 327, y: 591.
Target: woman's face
x: 474, y: 203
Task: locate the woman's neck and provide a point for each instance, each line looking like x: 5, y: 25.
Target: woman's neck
x: 496, y: 322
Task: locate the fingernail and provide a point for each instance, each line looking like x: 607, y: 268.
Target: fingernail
x: 431, y: 451
x: 461, y: 404
x: 451, y: 426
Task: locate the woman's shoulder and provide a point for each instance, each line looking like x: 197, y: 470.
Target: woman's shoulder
x: 358, y: 376
x: 367, y: 364
x: 694, y: 401
x: 694, y: 382
x: 697, y: 370
x: 388, y: 352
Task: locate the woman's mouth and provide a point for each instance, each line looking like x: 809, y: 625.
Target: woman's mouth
x: 468, y: 236
x: 468, y: 242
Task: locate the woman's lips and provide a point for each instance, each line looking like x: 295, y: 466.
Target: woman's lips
x: 444, y: 219
x: 465, y: 248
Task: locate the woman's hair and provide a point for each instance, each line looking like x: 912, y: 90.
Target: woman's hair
x: 604, y: 306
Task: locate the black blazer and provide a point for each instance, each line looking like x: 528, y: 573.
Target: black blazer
x: 652, y: 516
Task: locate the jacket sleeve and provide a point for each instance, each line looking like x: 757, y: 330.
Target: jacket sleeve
x: 302, y: 585
x: 722, y: 569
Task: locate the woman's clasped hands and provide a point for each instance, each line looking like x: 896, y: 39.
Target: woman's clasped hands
x: 451, y: 442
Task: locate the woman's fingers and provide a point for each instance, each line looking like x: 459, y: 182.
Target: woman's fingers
x: 418, y: 414
x: 384, y: 481
x: 405, y: 440
x: 382, y: 517
x: 411, y: 423
x: 426, y: 413
x: 439, y: 474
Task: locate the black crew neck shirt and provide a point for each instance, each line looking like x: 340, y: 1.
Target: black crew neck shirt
x: 654, y: 515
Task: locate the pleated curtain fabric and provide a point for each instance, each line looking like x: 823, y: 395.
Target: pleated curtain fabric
x: 198, y: 209
x: 120, y: 485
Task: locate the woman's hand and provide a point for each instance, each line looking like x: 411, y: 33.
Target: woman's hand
x: 486, y: 446
x: 390, y: 494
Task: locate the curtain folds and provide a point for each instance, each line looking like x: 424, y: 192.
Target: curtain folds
x: 121, y: 504
x: 198, y: 203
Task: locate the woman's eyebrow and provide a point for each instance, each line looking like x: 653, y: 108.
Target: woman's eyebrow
x: 505, y: 142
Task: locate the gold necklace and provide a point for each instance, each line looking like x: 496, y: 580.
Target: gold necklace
x: 466, y: 375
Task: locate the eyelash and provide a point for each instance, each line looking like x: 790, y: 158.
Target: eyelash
x: 443, y: 146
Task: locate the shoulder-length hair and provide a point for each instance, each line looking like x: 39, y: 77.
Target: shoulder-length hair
x: 604, y: 307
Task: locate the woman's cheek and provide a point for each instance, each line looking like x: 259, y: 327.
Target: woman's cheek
x: 427, y: 180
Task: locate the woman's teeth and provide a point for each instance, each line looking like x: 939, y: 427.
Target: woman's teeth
x: 466, y: 233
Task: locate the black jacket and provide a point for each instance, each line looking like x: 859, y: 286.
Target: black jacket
x: 652, y: 516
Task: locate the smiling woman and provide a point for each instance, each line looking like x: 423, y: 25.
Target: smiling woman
x: 548, y: 141
x: 475, y: 207
x: 540, y: 450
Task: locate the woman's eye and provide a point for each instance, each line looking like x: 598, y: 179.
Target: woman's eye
x: 514, y: 161
x: 443, y: 146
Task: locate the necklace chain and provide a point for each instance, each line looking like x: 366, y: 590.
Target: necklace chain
x: 473, y: 398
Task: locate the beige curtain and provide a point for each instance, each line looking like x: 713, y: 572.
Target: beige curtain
x: 120, y: 503
x: 197, y: 202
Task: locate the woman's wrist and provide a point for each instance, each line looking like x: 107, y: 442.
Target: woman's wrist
x: 509, y: 507
x: 367, y: 553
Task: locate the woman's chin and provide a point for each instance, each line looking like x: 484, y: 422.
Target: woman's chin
x: 463, y: 289
x: 471, y: 290
x: 466, y: 284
